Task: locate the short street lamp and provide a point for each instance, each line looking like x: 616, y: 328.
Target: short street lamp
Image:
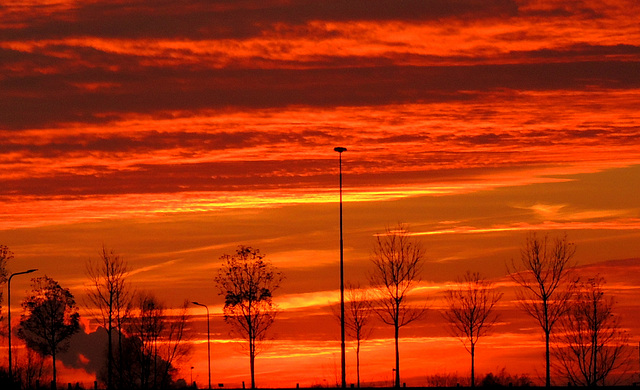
x: 208, y: 342
x: 9, y: 314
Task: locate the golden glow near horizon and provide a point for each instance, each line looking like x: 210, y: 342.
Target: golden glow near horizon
x: 174, y: 132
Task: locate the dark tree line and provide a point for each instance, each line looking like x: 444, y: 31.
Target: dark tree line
x: 149, y: 340
x: 145, y: 343
x: 547, y: 290
x: 576, y: 317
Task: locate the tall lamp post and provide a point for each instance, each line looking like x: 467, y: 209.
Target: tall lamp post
x: 208, y: 342
x: 9, y: 314
x: 342, y: 345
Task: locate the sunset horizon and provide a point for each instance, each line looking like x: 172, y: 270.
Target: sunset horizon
x: 173, y: 133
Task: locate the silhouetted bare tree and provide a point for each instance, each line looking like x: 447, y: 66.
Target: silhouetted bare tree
x: 545, y: 285
x: 470, y: 311
x: 397, y: 258
x: 175, y: 347
x: 155, y: 342
x: 31, y: 369
x: 108, y: 292
x: 592, y: 343
x: 358, y: 319
x: 5, y: 256
x: 50, y: 318
x: 247, y: 281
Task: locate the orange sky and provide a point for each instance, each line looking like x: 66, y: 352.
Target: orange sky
x: 174, y: 132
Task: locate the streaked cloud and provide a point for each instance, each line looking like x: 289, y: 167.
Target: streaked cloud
x: 176, y: 132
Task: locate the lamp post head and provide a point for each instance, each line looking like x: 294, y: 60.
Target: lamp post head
x: 340, y: 149
x: 201, y: 304
x: 22, y: 273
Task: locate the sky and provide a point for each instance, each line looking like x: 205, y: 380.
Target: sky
x: 172, y: 132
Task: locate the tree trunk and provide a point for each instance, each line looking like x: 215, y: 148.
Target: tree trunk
x: 547, y: 331
x: 594, y: 348
x: 120, y: 352
x: 397, y: 357
x: 110, y: 352
x: 358, y: 362
x: 252, y: 346
x: 548, y: 368
x: 594, y: 360
x: 53, y: 357
x: 252, y: 361
x: 473, y: 365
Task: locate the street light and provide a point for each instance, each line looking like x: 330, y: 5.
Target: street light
x: 9, y: 313
x: 208, y: 342
x: 342, y: 346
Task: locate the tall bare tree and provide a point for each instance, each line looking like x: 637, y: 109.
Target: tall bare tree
x: 397, y: 259
x: 247, y: 281
x: 175, y: 346
x: 358, y: 318
x: 108, y: 292
x: 147, y: 327
x: 545, y: 285
x: 470, y: 311
x: 592, y: 343
x: 155, y: 343
x: 50, y: 318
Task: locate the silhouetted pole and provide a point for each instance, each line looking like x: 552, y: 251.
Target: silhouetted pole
x: 342, y: 345
x: 9, y: 315
x: 208, y: 343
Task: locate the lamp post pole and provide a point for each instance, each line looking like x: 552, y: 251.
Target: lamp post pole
x: 208, y: 342
x: 9, y: 315
x: 342, y: 344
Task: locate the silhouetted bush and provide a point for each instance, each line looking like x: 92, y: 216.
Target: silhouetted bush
x: 500, y: 379
x: 503, y: 378
x: 446, y: 380
x: 5, y: 382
